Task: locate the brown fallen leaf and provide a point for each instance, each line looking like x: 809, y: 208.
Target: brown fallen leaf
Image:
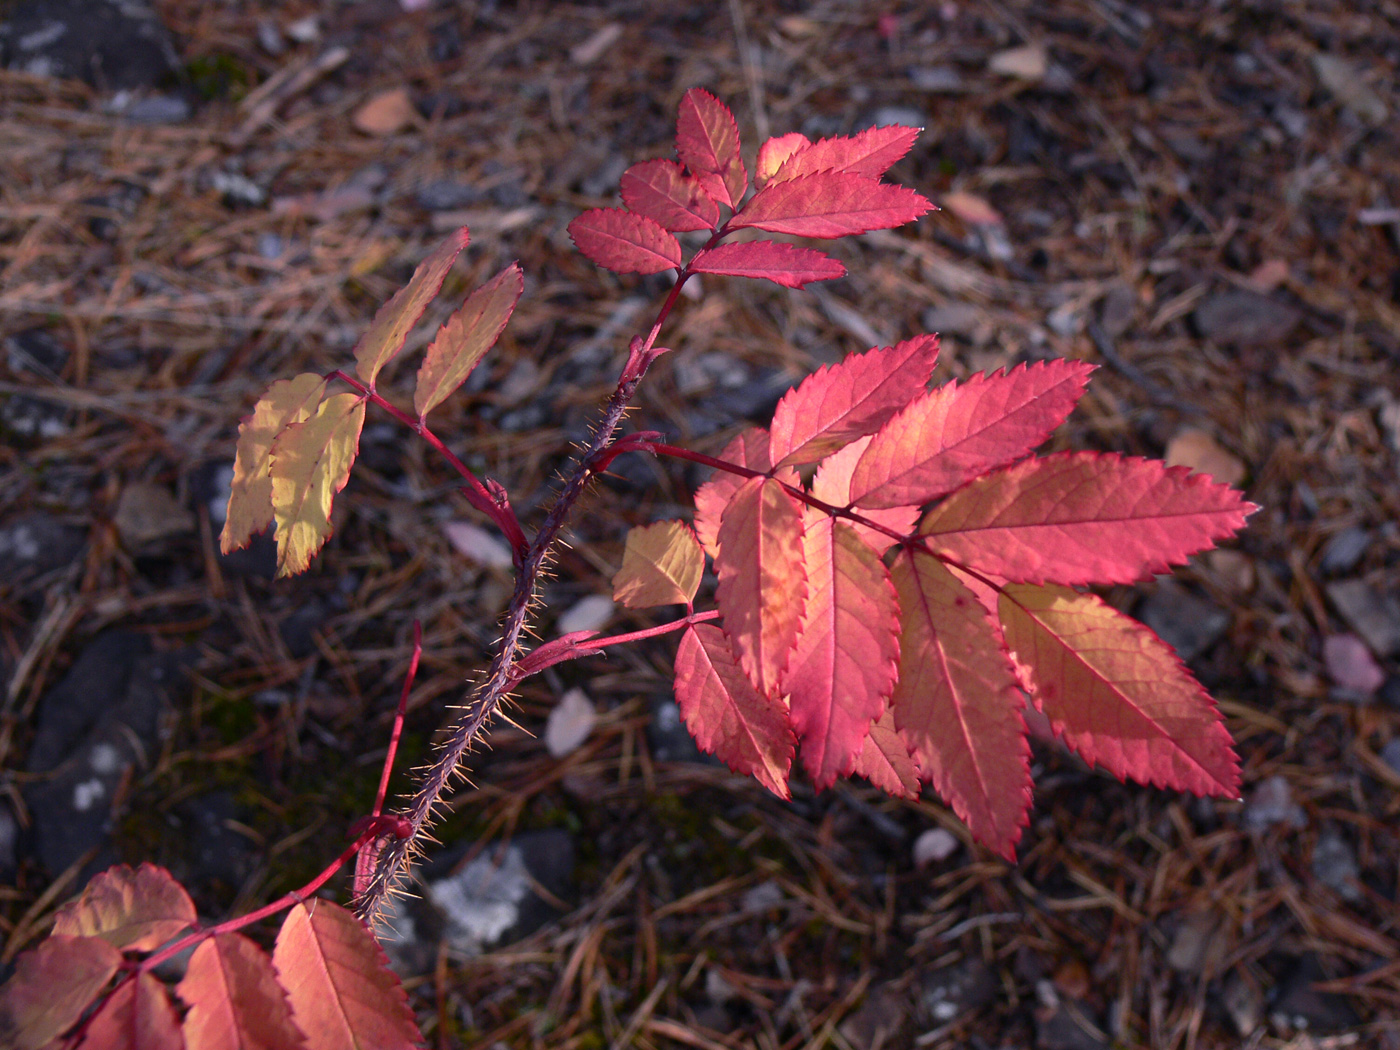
x: 1198, y: 450
x: 386, y: 113
x: 1028, y: 62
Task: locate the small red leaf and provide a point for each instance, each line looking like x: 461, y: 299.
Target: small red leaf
x: 1083, y: 517
x: 136, y: 910
x: 762, y: 585
x: 51, y: 988
x: 234, y: 999
x: 661, y: 190
x: 830, y: 204
x: 707, y: 139
x: 838, y: 403
x: 137, y: 1016
x: 832, y: 484
x: 726, y: 715
x: 783, y: 264
x: 623, y: 242
x: 871, y: 153
x: 962, y: 430
x: 885, y: 759
x: 749, y: 449
x: 1119, y: 694
x: 465, y: 337
x: 773, y: 153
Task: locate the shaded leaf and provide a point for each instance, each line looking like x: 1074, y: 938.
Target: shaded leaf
x: 287, y: 401
x: 338, y: 982
x: 137, y: 1016
x: 885, y: 759
x: 623, y: 242
x: 51, y: 988
x: 661, y: 565
x: 1117, y: 693
x: 395, y: 319
x: 832, y: 484
x: 1083, y: 517
x: 773, y: 153
x: 830, y: 204
x: 661, y: 190
x: 465, y: 337
x: 707, y: 140
x: 962, y: 430
x: 136, y: 910
x: 957, y: 704
x: 783, y: 264
x: 234, y: 999
x: 310, y: 464
x: 762, y: 585
x: 748, y: 449
x: 726, y: 715
x: 838, y: 403
x: 847, y: 650
x: 870, y: 153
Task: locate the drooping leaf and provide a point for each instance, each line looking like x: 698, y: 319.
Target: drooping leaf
x: 830, y: 204
x: 234, y: 999
x: 773, y: 153
x: 1117, y: 693
x: 707, y: 140
x: 726, y: 715
x: 624, y: 242
x: 871, y: 153
x: 847, y: 651
x: 137, y: 1016
x: 1083, y: 517
x: 465, y: 337
x: 838, y: 403
x: 661, y: 565
x: 783, y: 264
x: 832, y: 484
x: 287, y: 401
x: 389, y: 330
x: 338, y: 982
x: 132, y: 910
x: 962, y: 430
x: 762, y: 585
x: 885, y: 761
x: 957, y: 704
x: 52, y: 986
x: 661, y: 190
x: 748, y: 449
x: 310, y: 464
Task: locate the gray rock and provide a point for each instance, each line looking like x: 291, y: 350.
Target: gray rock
x: 217, y: 855
x: 1118, y: 310
x: 32, y: 419
x: 1372, y: 615
x: 9, y: 841
x: 446, y: 195
x: 1299, y: 1006
x: 1271, y: 803
x: 33, y: 545
x: 1189, y: 624
x: 37, y: 352
x: 158, y: 109
x: 955, y: 318
x: 1390, y: 754
x: 886, y: 116
x: 940, y: 80
x: 1246, y: 318
x: 1334, y: 864
x: 668, y: 737
x: 1243, y: 1002
x: 953, y: 991
x: 112, y: 44
x: 1345, y: 550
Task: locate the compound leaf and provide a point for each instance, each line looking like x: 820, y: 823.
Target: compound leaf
x: 832, y: 484
x: 1083, y: 517
x: 957, y: 704
x: 830, y: 204
x: 287, y: 401
x: 338, y: 982
x: 137, y: 1016
x: 1117, y: 693
x: 885, y: 759
x: 661, y: 565
x: 132, y: 910
x: 234, y: 999
x: 784, y: 264
x: 625, y: 242
x: 961, y: 430
x: 871, y: 153
x: 707, y: 140
x: 310, y: 464
x: 393, y: 321
x: 726, y: 715
x: 856, y: 396
x: 661, y: 190
x: 51, y: 988
x: 773, y: 153
x: 465, y: 337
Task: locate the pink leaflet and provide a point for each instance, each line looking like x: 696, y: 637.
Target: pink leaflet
x: 830, y: 204
x: 955, y: 433
x: 885, y: 759
x: 137, y: 1016
x: 234, y: 999
x: 1117, y: 692
x: 871, y: 153
x: 847, y: 650
x: 832, y: 484
x: 137, y: 909
x: 1083, y: 517
x: 707, y: 140
x: 838, y: 403
x: 52, y: 986
x: 783, y: 264
x: 726, y: 715
x: 773, y: 153
x: 661, y: 190
x: 748, y: 449
x: 623, y: 242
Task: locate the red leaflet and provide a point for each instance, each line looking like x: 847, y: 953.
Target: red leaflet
x: 959, y: 431
x: 762, y: 584
x: 843, y: 666
x: 137, y: 1016
x: 132, y: 910
x: 871, y: 153
x: 832, y: 484
x: 661, y: 190
x: 957, y: 703
x: 726, y: 715
x: 783, y: 264
x: 1084, y: 517
x: 51, y: 987
x: 885, y: 761
x: 234, y: 999
x: 1117, y: 692
x: 707, y: 140
x: 748, y: 449
x: 838, y: 403
x: 624, y: 242
x: 773, y: 153
x: 830, y: 204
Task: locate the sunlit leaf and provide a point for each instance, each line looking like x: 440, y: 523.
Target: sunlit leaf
x: 830, y: 204
x: 51, y: 988
x: 661, y: 190
x: 137, y: 1016
x: 748, y: 449
x: 885, y: 761
x: 234, y: 999
x: 135, y: 910
x: 832, y: 484
x: 661, y: 565
x: 623, y: 242
x: 466, y: 336
x: 310, y: 464
x: 871, y: 153
x: 774, y: 152
x: 707, y: 140
x: 783, y: 264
